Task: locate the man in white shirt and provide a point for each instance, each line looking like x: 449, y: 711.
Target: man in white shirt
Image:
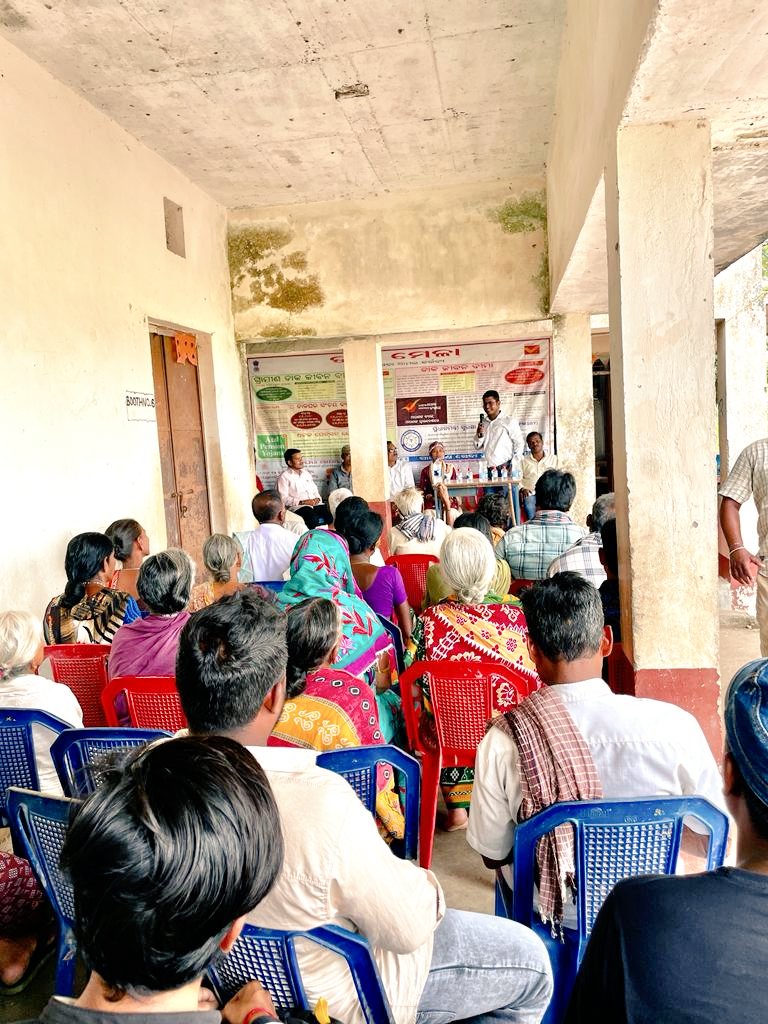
x: 435, y: 964
x: 299, y: 491
x: 533, y: 466
x: 502, y: 439
x: 640, y: 747
x: 270, y: 547
x: 400, y: 472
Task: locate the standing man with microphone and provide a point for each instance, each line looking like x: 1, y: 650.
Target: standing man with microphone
x: 501, y: 438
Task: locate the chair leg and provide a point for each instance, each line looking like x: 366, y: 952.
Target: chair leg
x: 430, y: 780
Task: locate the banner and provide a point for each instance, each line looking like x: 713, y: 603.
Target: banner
x: 299, y: 401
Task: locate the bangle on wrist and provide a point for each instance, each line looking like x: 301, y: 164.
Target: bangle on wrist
x: 739, y: 547
x: 258, y: 1013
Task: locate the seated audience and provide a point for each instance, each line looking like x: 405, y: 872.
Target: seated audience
x: 382, y: 587
x: 341, y: 476
x: 148, y: 646
x: 533, y: 466
x: 575, y: 740
x: 231, y: 678
x: 269, y: 549
x: 26, y: 925
x: 400, y: 472
x: 471, y: 626
x: 299, y: 491
x: 21, y: 654
x: 438, y: 587
x: 222, y: 557
x: 433, y: 480
x: 690, y: 950
x: 530, y: 548
x: 418, y: 532
x: 88, y: 611
x: 353, y: 506
x: 609, y: 588
x: 495, y: 508
x: 583, y: 557
x: 320, y: 568
x: 165, y: 860
x: 335, y: 498
x: 131, y: 545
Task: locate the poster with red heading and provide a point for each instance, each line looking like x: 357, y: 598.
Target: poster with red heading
x: 431, y: 393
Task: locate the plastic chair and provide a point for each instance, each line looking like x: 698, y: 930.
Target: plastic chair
x: 461, y: 696
x: 150, y: 702
x: 358, y: 766
x: 618, y: 672
x: 516, y: 587
x: 83, y: 667
x: 276, y: 585
x: 80, y: 755
x: 17, y: 751
x: 269, y: 956
x: 413, y: 569
x: 397, y: 640
x: 40, y: 822
x: 614, y: 839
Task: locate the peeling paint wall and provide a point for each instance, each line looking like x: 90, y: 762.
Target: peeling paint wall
x: 427, y: 261
x: 83, y: 264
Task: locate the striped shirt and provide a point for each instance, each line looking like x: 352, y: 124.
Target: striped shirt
x: 749, y: 478
x: 529, y: 549
x: 582, y: 557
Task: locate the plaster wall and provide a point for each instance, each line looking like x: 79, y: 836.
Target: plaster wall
x: 601, y: 50
x: 427, y: 261
x: 83, y: 266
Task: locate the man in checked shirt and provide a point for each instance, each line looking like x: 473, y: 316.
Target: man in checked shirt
x: 583, y: 557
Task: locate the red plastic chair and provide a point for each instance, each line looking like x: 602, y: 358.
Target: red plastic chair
x: 461, y: 695
x: 618, y: 672
x: 83, y: 668
x: 148, y: 702
x: 413, y: 569
x: 516, y: 587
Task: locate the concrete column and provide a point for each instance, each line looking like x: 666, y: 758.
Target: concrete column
x: 367, y: 424
x: 574, y: 413
x: 659, y: 234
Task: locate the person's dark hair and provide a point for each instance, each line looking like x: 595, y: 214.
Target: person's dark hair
x: 123, y: 533
x: 493, y: 507
x: 756, y: 809
x: 564, y: 615
x: 266, y: 506
x: 312, y: 632
x: 347, y: 511
x: 230, y: 656
x: 175, y: 844
x: 361, y: 528
x: 530, y: 434
x: 555, y: 490
x: 165, y: 581
x: 491, y: 394
x: 84, y: 560
x: 289, y: 453
x: 476, y: 521
x: 610, y: 545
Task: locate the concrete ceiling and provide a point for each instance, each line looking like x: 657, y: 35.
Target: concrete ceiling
x: 242, y: 96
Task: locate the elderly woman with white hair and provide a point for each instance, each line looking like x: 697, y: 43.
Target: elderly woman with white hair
x: 471, y: 625
x: 21, y: 653
x: 418, y: 532
x: 148, y: 646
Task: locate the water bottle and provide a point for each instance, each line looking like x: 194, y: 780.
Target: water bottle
x: 516, y: 467
x: 482, y: 469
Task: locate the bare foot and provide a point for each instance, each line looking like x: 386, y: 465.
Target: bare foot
x: 454, y: 820
x: 15, y: 955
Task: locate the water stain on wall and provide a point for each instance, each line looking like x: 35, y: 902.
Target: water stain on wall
x: 522, y: 215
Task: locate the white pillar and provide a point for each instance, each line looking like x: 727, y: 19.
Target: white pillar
x: 366, y: 416
x: 574, y: 409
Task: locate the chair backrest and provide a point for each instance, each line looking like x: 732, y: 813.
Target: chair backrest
x: 80, y: 755
x: 397, y: 640
x: 516, y: 587
x: 413, y: 569
x: 147, y: 702
x: 40, y: 822
x: 461, y: 698
x: 276, y: 585
x: 269, y: 956
x: 17, y: 752
x: 83, y: 667
x: 358, y: 766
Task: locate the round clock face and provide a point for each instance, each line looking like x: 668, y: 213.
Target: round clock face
x: 411, y: 440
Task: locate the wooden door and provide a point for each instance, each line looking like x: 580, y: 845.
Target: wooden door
x: 182, y: 450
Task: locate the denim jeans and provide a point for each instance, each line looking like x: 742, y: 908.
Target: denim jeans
x: 530, y: 505
x: 485, y: 969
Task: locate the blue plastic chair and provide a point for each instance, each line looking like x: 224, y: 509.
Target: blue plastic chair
x: 270, y: 957
x: 614, y: 839
x: 276, y: 585
x: 17, y: 751
x: 397, y: 640
x: 80, y: 755
x: 40, y: 822
x: 358, y: 766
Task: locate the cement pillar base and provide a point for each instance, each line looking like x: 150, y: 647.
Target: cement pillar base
x: 384, y: 508
x: 694, y: 689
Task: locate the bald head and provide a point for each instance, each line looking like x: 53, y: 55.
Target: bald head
x: 268, y: 507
